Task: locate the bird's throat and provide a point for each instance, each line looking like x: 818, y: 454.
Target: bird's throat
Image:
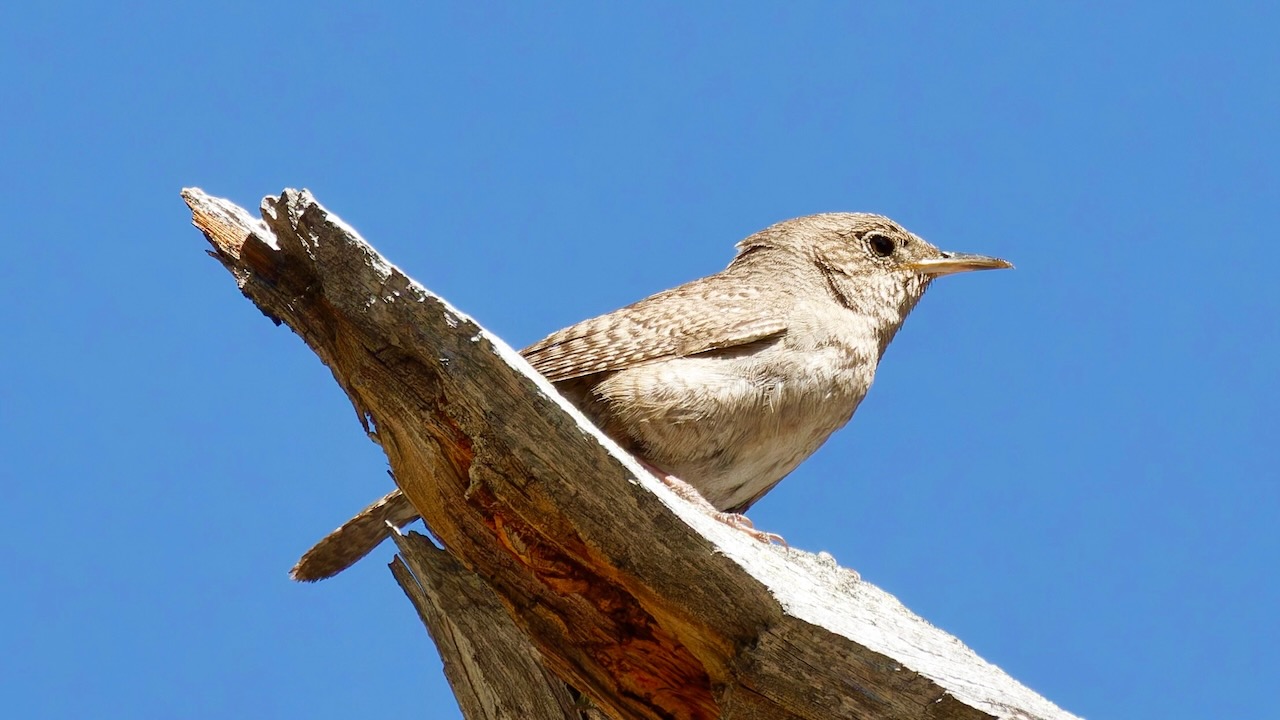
x: 877, y: 304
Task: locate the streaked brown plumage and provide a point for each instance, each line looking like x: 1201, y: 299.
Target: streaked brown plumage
x: 730, y: 381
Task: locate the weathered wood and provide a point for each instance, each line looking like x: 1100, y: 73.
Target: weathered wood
x: 494, y: 670
x: 648, y: 607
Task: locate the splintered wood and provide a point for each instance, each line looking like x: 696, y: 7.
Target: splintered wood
x: 594, y: 570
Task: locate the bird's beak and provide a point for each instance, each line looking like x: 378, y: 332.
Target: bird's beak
x: 948, y: 263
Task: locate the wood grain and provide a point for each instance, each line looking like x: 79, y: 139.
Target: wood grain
x: 644, y: 605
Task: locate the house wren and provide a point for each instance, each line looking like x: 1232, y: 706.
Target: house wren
x: 731, y: 381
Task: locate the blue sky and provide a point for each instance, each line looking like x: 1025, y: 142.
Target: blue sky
x: 1072, y: 466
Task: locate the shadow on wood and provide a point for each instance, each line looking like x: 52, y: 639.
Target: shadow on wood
x: 642, y: 604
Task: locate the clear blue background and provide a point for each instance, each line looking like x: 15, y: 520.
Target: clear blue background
x: 1072, y: 466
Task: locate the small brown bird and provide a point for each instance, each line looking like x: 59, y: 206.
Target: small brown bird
x: 731, y: 381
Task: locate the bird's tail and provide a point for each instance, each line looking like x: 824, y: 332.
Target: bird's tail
x: 356, y: 538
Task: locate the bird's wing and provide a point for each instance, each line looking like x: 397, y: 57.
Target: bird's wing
x: 691, y: 319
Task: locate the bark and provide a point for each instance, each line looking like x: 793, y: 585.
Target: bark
x: 594, y: 570
x: 495, y: 672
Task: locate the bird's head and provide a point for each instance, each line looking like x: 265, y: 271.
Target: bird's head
x: 869, y: 263
x: 869, y: 250
x: 864, y: 244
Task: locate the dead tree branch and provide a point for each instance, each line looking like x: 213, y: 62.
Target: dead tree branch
x: 645, y: 606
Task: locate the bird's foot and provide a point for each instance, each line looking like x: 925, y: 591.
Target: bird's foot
x: 733, y: 520
x: 743, y: 523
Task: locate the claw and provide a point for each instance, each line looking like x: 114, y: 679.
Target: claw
x: 743, y: 523
x: 733, y: 520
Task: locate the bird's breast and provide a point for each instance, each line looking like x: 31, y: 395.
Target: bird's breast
x: 732, y: 425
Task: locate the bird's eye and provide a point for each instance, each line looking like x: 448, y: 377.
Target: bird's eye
x: 881, y: 245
